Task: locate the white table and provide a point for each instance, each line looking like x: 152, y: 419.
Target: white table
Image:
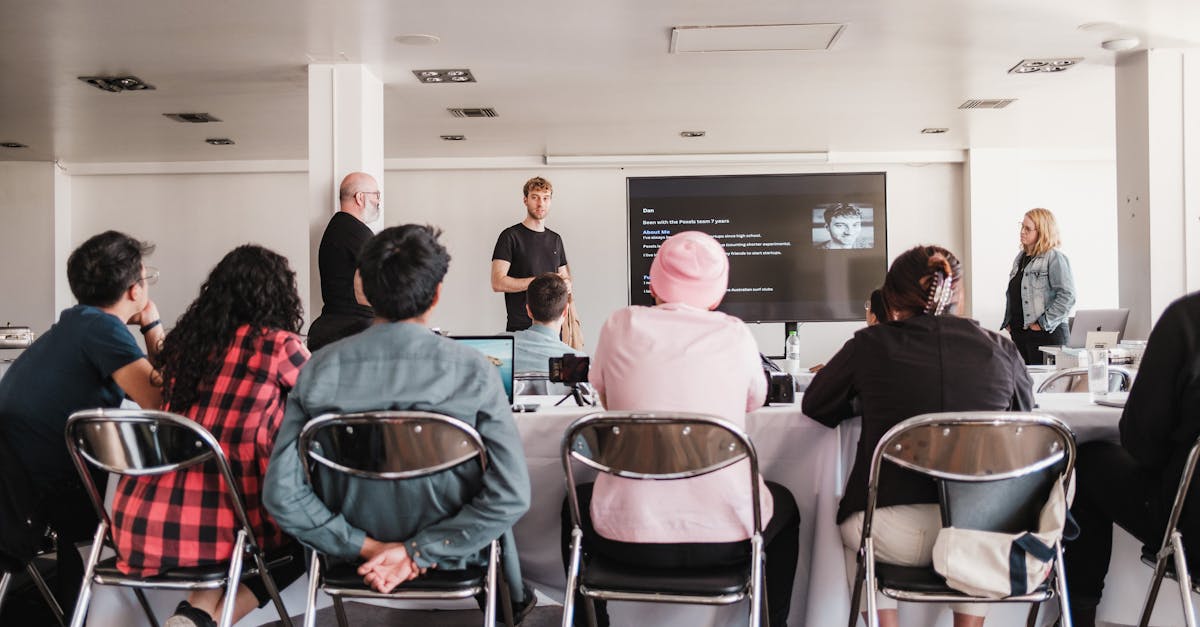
x: 806, y: 457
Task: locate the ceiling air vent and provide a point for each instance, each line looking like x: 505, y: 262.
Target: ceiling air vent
x: 473, y: 112
x: 193, y: 118
x: 997, y: 103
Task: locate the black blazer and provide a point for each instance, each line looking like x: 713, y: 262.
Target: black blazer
x: 896, y: 370
x: 1162, y: 415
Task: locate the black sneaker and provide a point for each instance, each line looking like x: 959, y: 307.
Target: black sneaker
x: 187, y: 616
x: 519, y: 613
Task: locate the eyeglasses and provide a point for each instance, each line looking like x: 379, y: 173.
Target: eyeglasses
x: 150, y: 275
x: 1025, y: 229
x: 377, y: 194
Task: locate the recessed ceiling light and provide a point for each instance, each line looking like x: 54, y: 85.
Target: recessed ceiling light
x: 13, y: 145
x: 934, y: 130
x: 192, y: 118
x: 116, y: 83
x: 473, y: 112
x: 1029, y: 66
x: 1096, y: 27
x: 1121, y: 44
x: 690, y: 134
x: 454, y: 138
x: 459, y: 75
x: 417, y: 39
x: 987, y: 103
x: 219, y: 141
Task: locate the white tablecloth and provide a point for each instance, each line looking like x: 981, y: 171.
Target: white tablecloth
x: 806, y: 457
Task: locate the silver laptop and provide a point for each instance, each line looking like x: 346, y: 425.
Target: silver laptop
x: 1091, y: 320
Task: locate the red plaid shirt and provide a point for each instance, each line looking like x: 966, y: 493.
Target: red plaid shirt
x: 184, y: 519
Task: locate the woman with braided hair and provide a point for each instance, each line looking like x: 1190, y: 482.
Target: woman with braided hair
x: 921, y: 358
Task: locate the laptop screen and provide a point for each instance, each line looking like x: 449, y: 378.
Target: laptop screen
x: 499, y: 350
x: 1096, y: 320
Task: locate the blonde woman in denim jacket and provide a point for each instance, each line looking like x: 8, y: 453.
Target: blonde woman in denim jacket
x: 1041, y: 288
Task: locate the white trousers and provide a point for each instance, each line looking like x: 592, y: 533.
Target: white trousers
x: 904, y: 535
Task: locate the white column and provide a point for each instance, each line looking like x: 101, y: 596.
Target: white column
x: 63, y: 298
x: 345, y: 134
x: 1157, y: 231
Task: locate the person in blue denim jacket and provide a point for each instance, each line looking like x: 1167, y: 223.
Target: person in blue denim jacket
x: 1041, y: 289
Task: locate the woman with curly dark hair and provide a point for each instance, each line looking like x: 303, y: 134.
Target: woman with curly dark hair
x: 228, y: 364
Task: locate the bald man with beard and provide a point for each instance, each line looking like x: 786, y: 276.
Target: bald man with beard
x: 360, y: 203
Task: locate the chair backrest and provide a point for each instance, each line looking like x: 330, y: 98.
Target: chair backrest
x: 656, y: 446
x: 389, y: 444
x: 531, y: 383
x: 1076, y: 380
x: 140, y: 442
x: 994, y: 469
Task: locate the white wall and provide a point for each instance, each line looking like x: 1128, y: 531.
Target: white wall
x: 472, y: 206
x: 27, y: 245
x: 194, y: 219
x: 1002, y: 185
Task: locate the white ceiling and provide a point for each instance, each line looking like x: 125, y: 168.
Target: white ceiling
x: 566, y: 76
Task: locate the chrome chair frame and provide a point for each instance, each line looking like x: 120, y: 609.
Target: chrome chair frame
x: 418, y: 420
x: 1123, y: 375
x: 866, y: 574
x: 531, y: 379
x: 118, y: 422
x: 1172, y: 549
x: 755, y: 586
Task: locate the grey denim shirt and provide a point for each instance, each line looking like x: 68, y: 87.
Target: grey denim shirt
x: 446, y: 519
x: 1047, y: 289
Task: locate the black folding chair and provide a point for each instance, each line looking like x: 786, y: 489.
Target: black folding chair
x: 8, y: 577
x: 397, y: 446
x: 995, y: 471
x: 139, y: 443
x: 659, y: 447
x: 1169, y: 560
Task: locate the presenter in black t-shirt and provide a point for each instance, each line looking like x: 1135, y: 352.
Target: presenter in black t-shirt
x: 525, y: 250
x: 359, y: 201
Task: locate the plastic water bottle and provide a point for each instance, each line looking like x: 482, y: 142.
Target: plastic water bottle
x: 1098, y: 373
x: 791, y: 354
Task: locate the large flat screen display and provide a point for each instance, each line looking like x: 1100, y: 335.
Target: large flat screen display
x: 802, y: 247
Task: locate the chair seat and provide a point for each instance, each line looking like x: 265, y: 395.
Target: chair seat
x: 107, y: 569
x: 605, y: 574
x: 923, y: 580
x: 345, y: 576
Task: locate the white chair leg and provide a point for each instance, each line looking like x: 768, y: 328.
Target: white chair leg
x: 1060, y: 581
x: 314, y: 580
x: 1160, y: 571
x: 568, y: 616
x: 5, y: 579
x: 870, y: 585
x: 231, y: 583
x: 756, y: 581
x: 89, y: 571
x: 489, y: 603
x: 1185, y: 580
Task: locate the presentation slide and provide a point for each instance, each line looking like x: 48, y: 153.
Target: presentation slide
x: 802, y: 247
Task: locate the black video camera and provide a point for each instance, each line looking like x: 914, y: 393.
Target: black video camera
x: 781, y: 387
x: 569, y: 369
